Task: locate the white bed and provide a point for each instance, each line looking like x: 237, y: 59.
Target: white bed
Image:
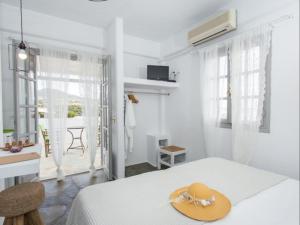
x: 258, y: 197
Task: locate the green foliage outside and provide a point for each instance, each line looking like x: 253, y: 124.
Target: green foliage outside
x: 5, y: 131
x: 42, y: 114
x: 71, y: 114
x: 74, y: 110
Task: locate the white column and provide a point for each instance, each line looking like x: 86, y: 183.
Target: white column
x: 1, y: 110
x: 1, y: 115
x: 115, y: 47
x: 162, y: 116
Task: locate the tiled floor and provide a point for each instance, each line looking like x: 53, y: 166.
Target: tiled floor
x: 139, y: 169
x: 59, y: 195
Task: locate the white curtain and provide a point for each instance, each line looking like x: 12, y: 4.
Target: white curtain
x: 53, y: 74
x: 90, y: 76
x: 57, y: 69
x: 247, y: 56
x: 248, y: 82
x: 209, y: 80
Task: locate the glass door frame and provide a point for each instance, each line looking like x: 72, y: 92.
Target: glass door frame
x: 106, y: 118
x: 30, y: 109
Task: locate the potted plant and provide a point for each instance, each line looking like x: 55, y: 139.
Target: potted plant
x: 8, y: 135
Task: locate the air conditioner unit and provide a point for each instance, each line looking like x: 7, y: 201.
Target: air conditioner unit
x: 213, y: 28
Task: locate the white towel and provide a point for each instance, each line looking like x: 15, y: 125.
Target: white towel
x: 130, y: 124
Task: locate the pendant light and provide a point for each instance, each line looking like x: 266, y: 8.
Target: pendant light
x: 22, y: 54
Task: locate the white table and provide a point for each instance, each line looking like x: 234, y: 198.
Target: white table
x: 20, y: 168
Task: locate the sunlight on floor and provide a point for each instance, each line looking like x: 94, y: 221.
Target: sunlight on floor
x: 74, y: 162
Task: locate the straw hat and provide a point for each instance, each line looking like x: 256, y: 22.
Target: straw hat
x: 199, y: 202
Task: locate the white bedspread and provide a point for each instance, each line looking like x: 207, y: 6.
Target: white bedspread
x: 257, y: 196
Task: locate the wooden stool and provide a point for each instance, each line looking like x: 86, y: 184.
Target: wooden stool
x: 19, y: 204
x: 169, y: 156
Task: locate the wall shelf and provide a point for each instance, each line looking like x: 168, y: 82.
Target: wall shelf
x: 149, y: 84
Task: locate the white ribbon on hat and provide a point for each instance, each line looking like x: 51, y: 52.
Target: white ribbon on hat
x: 185, y: 196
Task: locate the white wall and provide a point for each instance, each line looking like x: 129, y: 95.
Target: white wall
x: 141, y: 47
x: 249, y: 14
x: 136, y: 66
x: 147, y: 113
x: 138, y: 54
x: 2, y: 183
x: 1, y: 108
x: 279, y: 150
x: 50, y: 28
x: 183, y: 110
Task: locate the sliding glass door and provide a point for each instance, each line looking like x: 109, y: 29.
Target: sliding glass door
x: 25, y: 97
x: 76, y: 80
x: 105, y: 118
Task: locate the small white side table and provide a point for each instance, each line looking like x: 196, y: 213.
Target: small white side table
x: 20, y: 168
x: 171, y: 156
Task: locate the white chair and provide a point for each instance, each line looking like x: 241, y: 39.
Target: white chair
x: 171, y: 156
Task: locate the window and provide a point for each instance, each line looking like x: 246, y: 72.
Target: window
x: 224, y: 100
x: 250, y: 76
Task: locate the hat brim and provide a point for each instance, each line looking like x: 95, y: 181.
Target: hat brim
x: 218, y: 210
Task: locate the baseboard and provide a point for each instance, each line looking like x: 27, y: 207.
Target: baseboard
x: 152, y: 164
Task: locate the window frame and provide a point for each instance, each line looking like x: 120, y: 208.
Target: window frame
x: 265, y: 126
x: 226, y: 123
x: 266, y: 118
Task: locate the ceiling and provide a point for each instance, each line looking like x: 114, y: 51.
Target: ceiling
x: 149, y: 19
